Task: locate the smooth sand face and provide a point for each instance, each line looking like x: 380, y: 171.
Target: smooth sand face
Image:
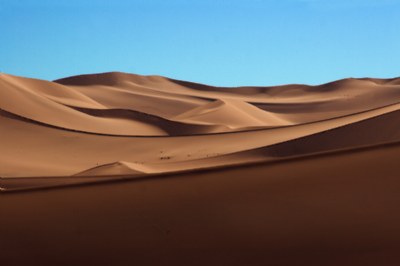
x: 288, y: 175
x: 118, y: 124
x: 336, y: 209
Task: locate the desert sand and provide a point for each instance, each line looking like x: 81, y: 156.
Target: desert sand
x: 129, y: 125
x: 118, y: 169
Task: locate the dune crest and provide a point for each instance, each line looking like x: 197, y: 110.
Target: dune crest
x: 116, y: 168
x: 119, y: 124
x: 232, y: 113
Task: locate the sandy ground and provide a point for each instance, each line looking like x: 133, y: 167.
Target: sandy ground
x: 124, y: 124
x: 122, y: 169
x: 337, y: 209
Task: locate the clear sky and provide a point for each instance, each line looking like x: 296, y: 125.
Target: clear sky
x: 218, y: 42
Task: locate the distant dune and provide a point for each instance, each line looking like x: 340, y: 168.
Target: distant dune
x: 126, y: 125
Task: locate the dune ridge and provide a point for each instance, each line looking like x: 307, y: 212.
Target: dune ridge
x: 120, y: 124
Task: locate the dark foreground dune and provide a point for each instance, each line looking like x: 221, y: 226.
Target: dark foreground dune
x: 337, y: 209
x: 122, y: 169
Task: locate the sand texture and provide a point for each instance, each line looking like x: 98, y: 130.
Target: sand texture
x: 115, y: 125
x: 121, y: 169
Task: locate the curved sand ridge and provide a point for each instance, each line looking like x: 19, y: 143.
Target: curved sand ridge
x: 118, y: 124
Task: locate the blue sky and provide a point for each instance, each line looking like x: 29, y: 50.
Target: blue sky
x: 218, y: 42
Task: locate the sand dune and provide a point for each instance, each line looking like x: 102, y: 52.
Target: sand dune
x: 336, y: 209
x: 231, y: 113
x: 116, y: 168
x: 119, y: 124
x: 283, y: 175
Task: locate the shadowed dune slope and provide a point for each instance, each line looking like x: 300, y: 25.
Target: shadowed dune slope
x: 338, y: 209
x: 120, y: 124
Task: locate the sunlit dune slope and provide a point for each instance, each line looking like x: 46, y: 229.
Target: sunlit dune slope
x: 119, y: 124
